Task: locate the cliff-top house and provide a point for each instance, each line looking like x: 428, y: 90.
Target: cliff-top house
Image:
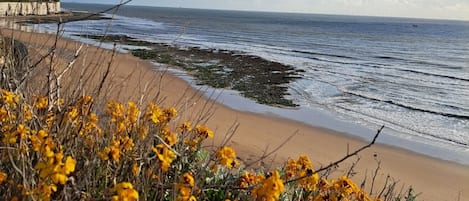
x: 29, y: 7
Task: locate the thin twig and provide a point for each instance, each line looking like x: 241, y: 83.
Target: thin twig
x: 265, y: 155
x: 340, y: 160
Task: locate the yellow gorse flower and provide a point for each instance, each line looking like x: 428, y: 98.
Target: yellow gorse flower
x: 248, y: 179
x: 55, y: 169
x: 42, y: 103
x: 10, y: 98
x: 115, y: 110
x: 270, y: 188
x: 125, y: 192
x: 301, y: 168
x: 227, y: 157
x: 345, y: 186
x: 27, y: 113
x: 164, y: 155
x: 132, y: 112
x: 4, y: 116
x: 187, y: 180
x: 185, y: 186
x: 153, y: 113
x: 44, y: 191
x: 135, y: 169
x: 185, y: 127
x: 203, y: 132
x: 111, y: 152
x: 12, y: 137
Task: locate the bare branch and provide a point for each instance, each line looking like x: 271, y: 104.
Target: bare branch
x: 340, y: 160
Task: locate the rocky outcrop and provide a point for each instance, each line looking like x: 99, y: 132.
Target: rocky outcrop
x: 28, y: 8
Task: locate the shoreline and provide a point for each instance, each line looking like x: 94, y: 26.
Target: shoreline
x: 437, y: 179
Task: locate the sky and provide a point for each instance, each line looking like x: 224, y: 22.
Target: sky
x: 434, y: 9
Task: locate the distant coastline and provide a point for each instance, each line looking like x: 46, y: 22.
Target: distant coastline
x: 65, y: 16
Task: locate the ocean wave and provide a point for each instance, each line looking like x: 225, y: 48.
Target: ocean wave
x: 407, y: 106
x: 399, y: 126
x: 324, y: 54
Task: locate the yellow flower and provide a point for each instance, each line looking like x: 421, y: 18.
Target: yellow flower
x: 73, y: 114
x: 168, y: 114
x: 187, y: 180
x: 249, y: 179
x: 185, y: 127
x: 185, y: 187
x: 203, y: 132
x: 115, y: 153
x: 87, y: 100
x: 165, y: 156
x: 112, y: 152
x: 323, y: 184
x: 184, y: 194
x: 126, y: 143
x: 135, y: 169
x: 109, y: 152
x: 192, y: 144
x: 22, y: 131
x: 104, y: 154
x: 59, y: 178
x: 93, y: 118
x: 10, y: 98
x: 3, y: 177
x: 360, y: 195
x: 116, y: 110
x: 69, y: 166
x: 132, y: 112
x: 55, y: 169
x: 170, y: 138
x: 125, y: 192
x: 142, y: 132
x: 47, y: 147
x: 227, y: 157
x: 121, y: 127
x: 60, y: 102
x: 37, y: 140
x: 42, y: 103
x: 270, y: 189
x: 344, y: 186
x: 153, y: 113
x: 301, y: 168
x: 45, y: 190
x: 28, y: 115
x: 3, y: 114
x: 9, y: 138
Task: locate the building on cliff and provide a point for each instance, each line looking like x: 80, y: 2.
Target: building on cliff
x: 29, y: 7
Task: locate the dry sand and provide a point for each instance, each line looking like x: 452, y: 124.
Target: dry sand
x: 436, y: 179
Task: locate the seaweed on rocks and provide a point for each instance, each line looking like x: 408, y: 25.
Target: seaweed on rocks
x: 254, y: 77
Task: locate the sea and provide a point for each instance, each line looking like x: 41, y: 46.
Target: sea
x: 411, y: 75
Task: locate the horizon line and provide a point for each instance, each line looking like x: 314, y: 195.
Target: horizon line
x: 285, y: 12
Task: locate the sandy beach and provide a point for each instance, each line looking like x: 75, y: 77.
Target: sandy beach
x: 131, y: 77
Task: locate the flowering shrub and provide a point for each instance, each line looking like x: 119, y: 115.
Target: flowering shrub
x: 75, y: 151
